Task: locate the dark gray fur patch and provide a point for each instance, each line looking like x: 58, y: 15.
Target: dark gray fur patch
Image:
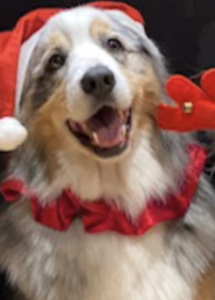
x: 28, y: 166
x: 43, y: 89
x: 39, y: 90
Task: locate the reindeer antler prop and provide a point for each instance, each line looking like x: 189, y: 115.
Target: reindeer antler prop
x: 195, y: 108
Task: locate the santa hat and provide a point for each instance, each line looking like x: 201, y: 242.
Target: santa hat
x: 12, y: 132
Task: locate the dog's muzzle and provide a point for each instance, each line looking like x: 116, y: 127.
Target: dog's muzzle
x: 106, y: 132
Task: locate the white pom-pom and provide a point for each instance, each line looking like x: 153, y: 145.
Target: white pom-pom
x: 12, y: 134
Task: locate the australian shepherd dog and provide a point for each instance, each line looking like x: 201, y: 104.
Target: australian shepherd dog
x: 89, y: 85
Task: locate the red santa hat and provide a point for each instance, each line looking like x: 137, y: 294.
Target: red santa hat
x: 12, y: 132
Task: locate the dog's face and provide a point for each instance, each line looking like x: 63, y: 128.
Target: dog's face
x: 92, y: 84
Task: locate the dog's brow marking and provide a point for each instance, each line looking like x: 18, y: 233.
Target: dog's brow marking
x: 59, y: 39
x: 99, y: 27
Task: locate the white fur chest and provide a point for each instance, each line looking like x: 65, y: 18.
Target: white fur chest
x: 75, y: 266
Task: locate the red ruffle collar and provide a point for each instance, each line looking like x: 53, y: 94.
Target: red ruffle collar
x: 99, y: 217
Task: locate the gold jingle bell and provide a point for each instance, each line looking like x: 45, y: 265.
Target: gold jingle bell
x: 188, y: 107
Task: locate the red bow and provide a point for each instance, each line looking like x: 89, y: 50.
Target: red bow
x: 99, y: 217
x: 196, y: 106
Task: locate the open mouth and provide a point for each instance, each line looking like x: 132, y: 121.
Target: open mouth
x: 106, y: 133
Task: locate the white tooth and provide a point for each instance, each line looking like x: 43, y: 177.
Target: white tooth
x: 95, y: 138
x: 123, y: 131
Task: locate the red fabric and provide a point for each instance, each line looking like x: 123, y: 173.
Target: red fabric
x: 11, y: 42
x: 130, y: 11
x: 182, y: 90
x: 99, y: 217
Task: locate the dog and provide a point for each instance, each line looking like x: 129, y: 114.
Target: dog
x: 89, y: 87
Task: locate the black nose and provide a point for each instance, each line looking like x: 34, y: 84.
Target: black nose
x: 98, y: 81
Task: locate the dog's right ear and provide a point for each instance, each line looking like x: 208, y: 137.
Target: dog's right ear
x: 158, y: 60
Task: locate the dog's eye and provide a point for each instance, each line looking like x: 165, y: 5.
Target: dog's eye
x: 55, y: 62
x: 115, y: 45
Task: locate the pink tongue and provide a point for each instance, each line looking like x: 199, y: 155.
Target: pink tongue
x: 110, y: 136
x: 107, y: 125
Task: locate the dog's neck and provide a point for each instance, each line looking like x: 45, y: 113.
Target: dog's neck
x: 151, y: 170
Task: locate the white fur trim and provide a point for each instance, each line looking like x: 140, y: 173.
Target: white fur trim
x: 12, y: 134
